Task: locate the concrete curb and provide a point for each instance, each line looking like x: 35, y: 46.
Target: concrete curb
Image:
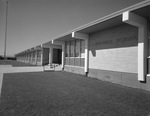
x: 20, y: 69
x: 1, y: 81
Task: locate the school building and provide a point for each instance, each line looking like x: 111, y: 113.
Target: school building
x: 114, y: 48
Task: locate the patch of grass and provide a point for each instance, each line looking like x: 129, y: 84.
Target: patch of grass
x: 67, y: 94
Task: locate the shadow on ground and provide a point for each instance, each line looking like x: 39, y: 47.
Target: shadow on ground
x: 67, y: 94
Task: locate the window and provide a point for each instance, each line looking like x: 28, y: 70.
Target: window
x: 82, y: 48
x: 39, y: 54
x: 72, y: 49
x: 75, y: 52
x: 77, y: 48
x: 66, y: 55
x: 67, y: 49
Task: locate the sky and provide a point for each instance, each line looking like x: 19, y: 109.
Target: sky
x: 33, y: 22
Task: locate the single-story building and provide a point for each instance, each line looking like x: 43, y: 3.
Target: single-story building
x: 114, y: 48
x: 43, y: 54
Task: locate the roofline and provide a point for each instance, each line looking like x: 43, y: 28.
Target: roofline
x: 112, y: 15
x: 105, y: 18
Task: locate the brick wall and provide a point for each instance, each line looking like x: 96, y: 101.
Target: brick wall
x: 114, y: 49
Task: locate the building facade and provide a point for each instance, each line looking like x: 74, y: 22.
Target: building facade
x: 114, y: 48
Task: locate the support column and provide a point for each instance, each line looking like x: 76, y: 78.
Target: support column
x: 42, y: 56
x: 86, y: 55
x: 36, y: 57
x: 141, y: 23
x: 63, y: 56
x: 31, y: 57
x: 28, y: 57
x: 86, y: 38
x: 25, y: 58
x: 51, y: 55
x: 22, y: 58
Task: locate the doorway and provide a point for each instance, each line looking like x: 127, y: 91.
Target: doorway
x: 57, y: 56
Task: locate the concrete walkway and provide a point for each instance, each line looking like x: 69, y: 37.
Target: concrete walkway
x: 5, y: 69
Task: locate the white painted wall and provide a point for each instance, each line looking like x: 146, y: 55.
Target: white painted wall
x: 114, y: 49
x: 119, y: 59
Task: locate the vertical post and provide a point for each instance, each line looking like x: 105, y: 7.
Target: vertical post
x: 31, y: 57
x: 86, y: 55
x: 23, y: 57
x: 42, y: 56
x: 86, y: 38
x: 63, y: 56
x: 28, y: 57
x: 51, y: 55
x: 141, y: 23
x: 80, y: 51
x: 36, y: 57
x: 140, y: 53
x: 6, y: 30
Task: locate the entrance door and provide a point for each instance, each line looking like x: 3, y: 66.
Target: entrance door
x: 57, y: 56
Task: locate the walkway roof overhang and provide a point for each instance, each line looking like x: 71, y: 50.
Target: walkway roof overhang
x: 114, y: 19
x: 38, y: 47
x: 49, y: 45
x: 29, y: 50
x: 109, y: 21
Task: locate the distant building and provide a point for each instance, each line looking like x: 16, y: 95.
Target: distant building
x: 114, y: 48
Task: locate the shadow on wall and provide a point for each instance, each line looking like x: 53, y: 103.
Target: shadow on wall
x: 116, y: 37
